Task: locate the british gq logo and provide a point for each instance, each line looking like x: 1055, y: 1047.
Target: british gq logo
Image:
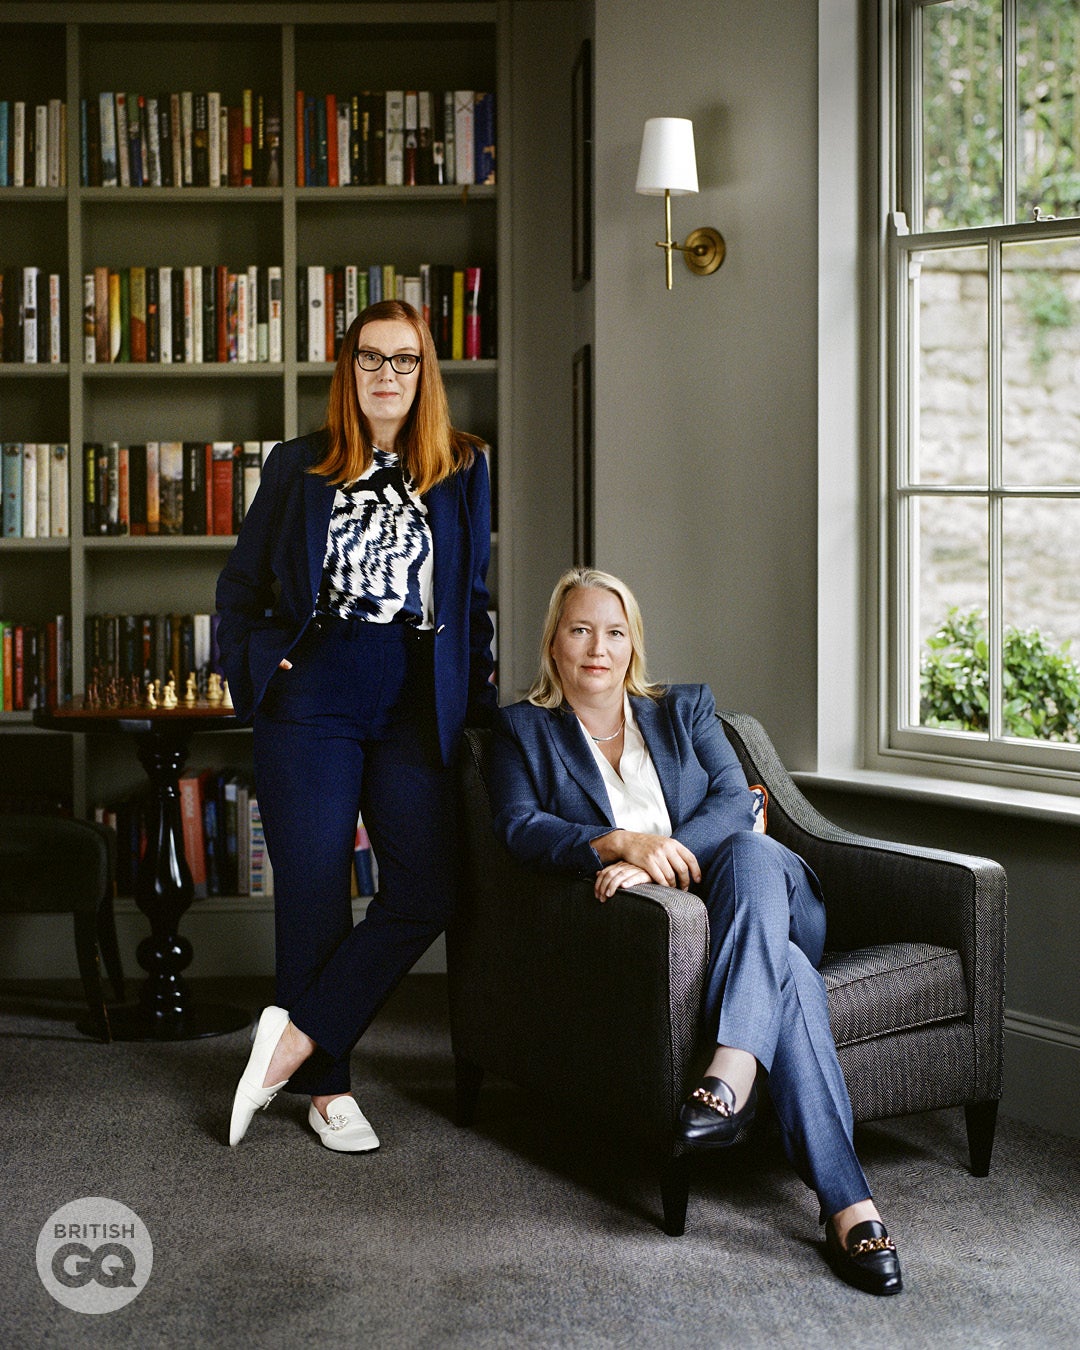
x: 94, y: 1255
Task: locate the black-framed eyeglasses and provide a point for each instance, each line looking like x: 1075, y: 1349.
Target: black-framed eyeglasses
x: 403, y: 362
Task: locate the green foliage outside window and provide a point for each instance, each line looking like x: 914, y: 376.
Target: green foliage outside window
x: 962, y: 123
x: 1041, y: 682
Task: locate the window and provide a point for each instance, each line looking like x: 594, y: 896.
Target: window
x: 983, y: 397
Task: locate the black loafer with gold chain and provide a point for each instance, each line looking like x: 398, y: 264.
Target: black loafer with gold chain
x: 708, y: 1118
x: 868, y: 1258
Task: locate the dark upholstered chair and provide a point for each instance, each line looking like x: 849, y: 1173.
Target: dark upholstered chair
x: 559, y: 994
x: 52, y: 865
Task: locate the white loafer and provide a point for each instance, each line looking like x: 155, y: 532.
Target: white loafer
x: 251, y: 1096
x: 346, y: 1129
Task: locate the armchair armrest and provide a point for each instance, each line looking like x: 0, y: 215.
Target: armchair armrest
x: 880, y: 892
x: 548, y: 986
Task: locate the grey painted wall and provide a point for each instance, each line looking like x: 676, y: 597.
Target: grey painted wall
x: 706, y: 400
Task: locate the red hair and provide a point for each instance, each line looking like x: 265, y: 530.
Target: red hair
x: 429, y: 447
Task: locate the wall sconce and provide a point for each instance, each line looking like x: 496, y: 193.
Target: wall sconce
x: 668, y: 165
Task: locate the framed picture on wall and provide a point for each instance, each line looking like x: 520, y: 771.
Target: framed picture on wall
x: 583, y: 458
x: 581, y: 167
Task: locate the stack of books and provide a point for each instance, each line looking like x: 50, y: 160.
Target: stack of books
x: 34, y: 478
x: 32, y: 324
x: 458, y: 304
x: 182, y: 314
x: 180, y: 140
x: 170, y: 487
x: 32, y: 140
x: 396, y: 137
x: 148, y: 647
x: 224, y: 841
x: 35, y: 663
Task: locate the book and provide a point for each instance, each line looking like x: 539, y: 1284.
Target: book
x: 457, y: 332
x: 107, y: 123
x: 260, y: 871
x: 316, y: 325
x: 11, y: 481
x: 123, y: 144
x: 30, y: 314
x: 171, y: 492
x: 411, y: 138
x: 29, y: 491
x: 484, y: 138
x: 43, y: 479
x: 274, y: 301
x: 102, y: 343
x: 59, y: 510
x: 251, y: 458
x: 464, y: 151
x: 243, y: 836
x: 194, y: 510
x: 221, y: 487
x: 89, y: 321
x: 137, y: 489
x: 473, y: 311
x: 395, y: 137
x: 193, y: 827
x: 137, y: 320
x: 153, y: 487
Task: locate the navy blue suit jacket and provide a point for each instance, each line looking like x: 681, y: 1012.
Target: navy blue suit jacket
x: 548, y: 794
x: 267, y: 592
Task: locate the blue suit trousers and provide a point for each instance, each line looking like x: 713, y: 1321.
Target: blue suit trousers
x: 351, y: 729
x: 764, y: 995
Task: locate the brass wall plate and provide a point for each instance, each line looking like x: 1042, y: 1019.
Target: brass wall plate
x: 704, y: 250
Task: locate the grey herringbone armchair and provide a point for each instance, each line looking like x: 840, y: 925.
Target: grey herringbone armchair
x: 559, y: 994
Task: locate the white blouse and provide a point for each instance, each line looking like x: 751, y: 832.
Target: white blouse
x: 637, y: 802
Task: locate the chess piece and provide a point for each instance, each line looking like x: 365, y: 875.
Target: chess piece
x: 226, y: 697
x: 151, y: 694
x: 189, y: 693
x: 169, y: 697
x: 214, y: 691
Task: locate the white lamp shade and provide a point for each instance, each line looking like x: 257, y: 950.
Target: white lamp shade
x: 667, y: 162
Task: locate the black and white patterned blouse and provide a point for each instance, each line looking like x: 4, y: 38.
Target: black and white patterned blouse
x: 378, y: 563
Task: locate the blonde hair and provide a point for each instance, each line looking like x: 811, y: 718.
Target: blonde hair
x: 429, y: 447
x: 547, y: 690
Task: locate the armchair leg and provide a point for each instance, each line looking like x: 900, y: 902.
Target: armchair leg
x: 981, y: 1120
x: 87, y: 955
x: 109, y: 947
x: 675, y: 1193
x: 467, y: 1079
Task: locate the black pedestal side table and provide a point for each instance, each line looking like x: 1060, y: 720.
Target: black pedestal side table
x: 165, y: 1010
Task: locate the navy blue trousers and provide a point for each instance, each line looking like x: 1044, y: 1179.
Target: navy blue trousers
x: 764, y: 994
x: 351, y: 729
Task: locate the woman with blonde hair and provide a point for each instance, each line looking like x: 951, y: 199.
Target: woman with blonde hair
x: 355, y: 633
x: 601, y: 771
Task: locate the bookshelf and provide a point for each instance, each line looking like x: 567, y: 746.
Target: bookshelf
x: 74, y: 52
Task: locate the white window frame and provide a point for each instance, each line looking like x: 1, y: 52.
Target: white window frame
x: 1043, y: 765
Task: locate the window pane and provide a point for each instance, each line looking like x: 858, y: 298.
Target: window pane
x: 962, y: 114
x: 1041, y: 362
x: 951, y: 537
x: 951, y: 401
x: 1048, y: 73
x: 1042, y: 620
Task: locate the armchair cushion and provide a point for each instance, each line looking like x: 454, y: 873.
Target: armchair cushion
x: 876, y: 991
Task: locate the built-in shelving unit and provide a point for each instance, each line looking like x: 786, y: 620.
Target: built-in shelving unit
x: 76, y: 51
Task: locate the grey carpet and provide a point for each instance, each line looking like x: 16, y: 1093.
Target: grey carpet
x: 518, y: 1233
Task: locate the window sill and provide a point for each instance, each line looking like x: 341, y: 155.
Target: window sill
x: 985, y: 797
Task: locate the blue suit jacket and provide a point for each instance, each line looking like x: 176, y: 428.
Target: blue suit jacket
x: 267, y: 591
x: 548, y: 795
